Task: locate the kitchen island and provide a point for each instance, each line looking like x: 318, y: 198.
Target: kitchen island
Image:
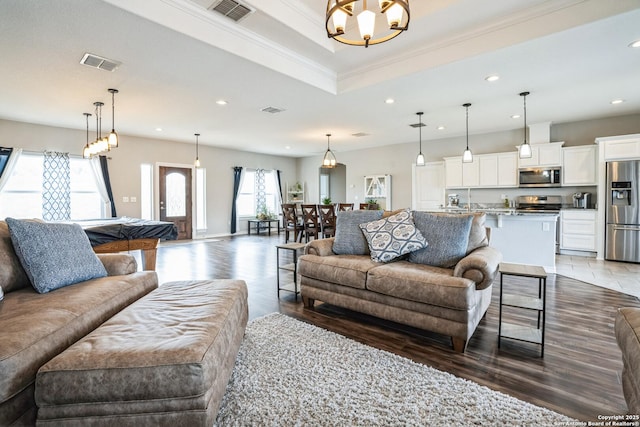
x: 525, y: 238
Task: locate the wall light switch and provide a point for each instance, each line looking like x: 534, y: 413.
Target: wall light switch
x: 125, y: 199
x: 545, y: 226
x: 133, y: 199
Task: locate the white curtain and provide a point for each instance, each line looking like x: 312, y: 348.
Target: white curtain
x: 10, y: 166
x: 102, y: 187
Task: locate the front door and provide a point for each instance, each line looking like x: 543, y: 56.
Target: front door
x: 175, y: 198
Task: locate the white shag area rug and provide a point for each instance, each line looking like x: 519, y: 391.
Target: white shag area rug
x: 289, y: 373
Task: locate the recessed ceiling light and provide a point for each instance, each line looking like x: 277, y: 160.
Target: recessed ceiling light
x: 158, y: 129
x: 221, y: 102
x: 492, y: 78
x: 617, y: 101
x: 287, y: 147
x: 389, y: 101
x: 635, y: 44
x: 515, y: 116
x: 441, y: 128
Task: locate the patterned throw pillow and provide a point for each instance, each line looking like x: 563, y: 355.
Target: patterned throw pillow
x: 394, y: 236
x: 54, y: 255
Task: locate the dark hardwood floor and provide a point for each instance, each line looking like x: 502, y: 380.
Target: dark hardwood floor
x: 579, y: 375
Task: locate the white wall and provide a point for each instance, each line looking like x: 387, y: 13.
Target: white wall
x: 125, y: 161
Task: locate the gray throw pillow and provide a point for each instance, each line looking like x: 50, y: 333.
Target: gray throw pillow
x: 392, y: 237
x: 349, y: 238
x: 54, y: 255
x: 448, y: 236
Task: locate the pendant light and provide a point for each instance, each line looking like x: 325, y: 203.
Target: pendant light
x: 525, y: 148
x: 101, y: 144
x: 467, y: 156
x: 420, y: 158
x: 113, y: 136
x: 86, y: 152
x: 329, y: 160
x: 197, y: 162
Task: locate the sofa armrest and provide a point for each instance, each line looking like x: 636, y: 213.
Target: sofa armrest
x: 118, y: 264
x: 320, y: 247
x: 481, y: 266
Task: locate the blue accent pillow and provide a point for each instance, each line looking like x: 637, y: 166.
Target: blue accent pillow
x: 349, y: 238
x: 448, y: 237
x: 54, y: 255
x: 392, y: 237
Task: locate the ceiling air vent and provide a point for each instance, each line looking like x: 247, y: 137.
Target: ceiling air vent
x: 231, y: 9
x: 360, y: 134
x: 272, y: 110
x: 95, y: 61
x: 417, y: 125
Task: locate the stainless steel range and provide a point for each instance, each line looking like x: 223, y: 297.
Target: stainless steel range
x: 539, y: 204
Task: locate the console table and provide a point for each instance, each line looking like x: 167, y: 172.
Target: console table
x: 262, y: 224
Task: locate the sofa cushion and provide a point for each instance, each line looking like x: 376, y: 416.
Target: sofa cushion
x: 391, y: 237
x: 12, y: 275
x: 54, y: 255
x: 478, y: 233
x: 423, y: 283
x: 347, y: 270
x: 447, y: 235
x: 36, y: 327
x: 349, y: 238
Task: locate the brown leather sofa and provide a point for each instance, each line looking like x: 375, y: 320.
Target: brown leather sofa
x: 627, y: 329
x: 35, y: 327
x: 449, y: 301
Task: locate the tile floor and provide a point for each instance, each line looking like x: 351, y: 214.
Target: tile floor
x: 620, y: 276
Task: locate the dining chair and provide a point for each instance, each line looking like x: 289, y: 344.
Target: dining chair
x: 291, y: 223
x: 345, y: 206
x: 327, y: 220
x: 310, y: 221
x: 364, y: 206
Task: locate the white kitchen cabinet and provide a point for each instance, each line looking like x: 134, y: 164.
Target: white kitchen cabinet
x: 428, y: 186
x: 507, y: 169
x: 486, y: 171
x: 578, y: 230
x: 488, y: 165
x: 621, y: 147
x: 471, y: 174
x: 546, y: 154
x: 579, y: 165
x: 453, y: 172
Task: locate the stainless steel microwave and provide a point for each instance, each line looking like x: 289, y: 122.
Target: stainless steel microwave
x: 539, y: 177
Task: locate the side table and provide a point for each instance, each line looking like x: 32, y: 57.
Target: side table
x: 520, y: 332
x: 293, y: 267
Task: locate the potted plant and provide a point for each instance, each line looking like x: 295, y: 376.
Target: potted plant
x: 264, y: 214
x: 326, y: 201
x: 373, y: 204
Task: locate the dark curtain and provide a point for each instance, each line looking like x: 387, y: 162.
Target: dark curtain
x: 237, y: 172
x: 278, y: 173
x: 107, y: 183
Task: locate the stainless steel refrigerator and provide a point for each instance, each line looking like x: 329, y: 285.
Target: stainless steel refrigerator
x: 623, y: 211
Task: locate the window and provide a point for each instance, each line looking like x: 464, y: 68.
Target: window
x: 22, y: 196
x: 247, y: 202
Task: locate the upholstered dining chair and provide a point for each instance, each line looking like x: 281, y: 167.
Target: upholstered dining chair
x: 310, y: 221
x: 327, y: 220
x: 291, y: 223
x: 345, y: 206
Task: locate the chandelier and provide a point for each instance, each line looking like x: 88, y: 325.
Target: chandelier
x: 101, y: 144
x: 329, y: 159
x: 339, y: 12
